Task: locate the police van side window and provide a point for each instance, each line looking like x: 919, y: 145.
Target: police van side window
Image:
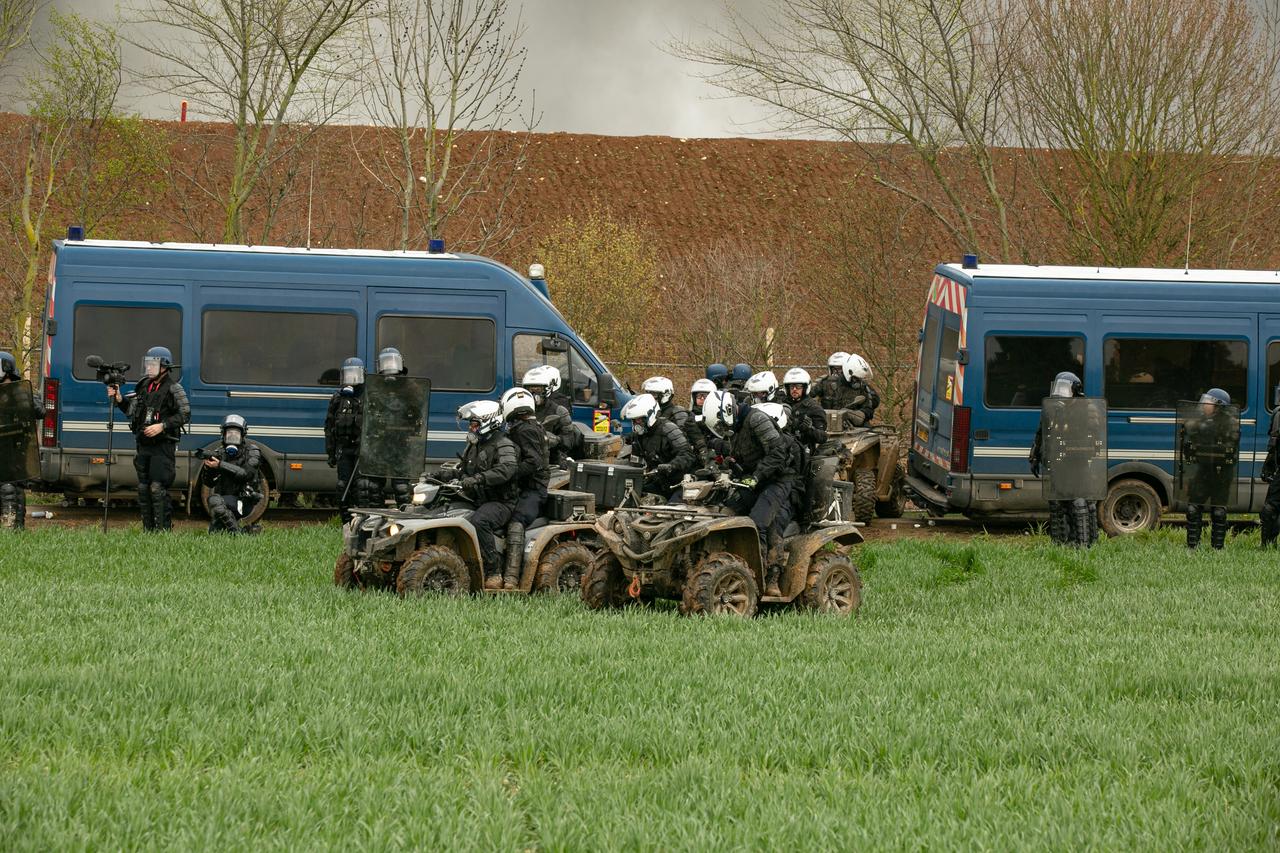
x: 296, y: 348
x: 580, y: 383
x: 122, y: 333
x: 1155, y: 373
x: 928, y: 372
x: 1019, y: 368
x: 455, y: 353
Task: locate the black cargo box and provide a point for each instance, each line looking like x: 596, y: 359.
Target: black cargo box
x: 608, y: 482
x: 563, y: 505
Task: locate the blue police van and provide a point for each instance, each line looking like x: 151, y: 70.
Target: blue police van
x: 262, y: 331
x: 994, y: 336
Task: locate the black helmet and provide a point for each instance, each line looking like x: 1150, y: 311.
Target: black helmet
x: 741, y: 372
x: 1066, y: 384
x: 9, y: 366
x: 1216, y: 396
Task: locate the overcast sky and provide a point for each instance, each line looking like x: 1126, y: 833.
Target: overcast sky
x: 595, y: 66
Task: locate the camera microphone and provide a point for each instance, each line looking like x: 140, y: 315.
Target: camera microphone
x: 94, y: 361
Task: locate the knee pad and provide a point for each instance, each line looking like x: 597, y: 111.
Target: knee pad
x: 157, y: 491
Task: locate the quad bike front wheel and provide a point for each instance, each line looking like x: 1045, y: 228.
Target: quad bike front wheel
x: 344, y: 573
x: 433, y: 570
x: 563, y: 567
x: 833, y: 585
x: 604, y: 586
x: 722, y: 583
x: 864, y: 494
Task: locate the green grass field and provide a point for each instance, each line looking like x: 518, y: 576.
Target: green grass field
x: 193, y: 692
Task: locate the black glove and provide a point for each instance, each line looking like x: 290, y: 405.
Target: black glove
x: 447, y: 475
x: 469, y: 483
x: 333, y: 461
x: 664, y: 469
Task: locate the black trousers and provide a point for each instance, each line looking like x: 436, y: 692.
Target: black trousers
x: 769, y: 507
x: 224, y: 513
x: 156, y: 468
x: 13, y: 506
x: 1270, y: 513
x: 490, y: 519
x: 529, y: 505
x: 348, y: 494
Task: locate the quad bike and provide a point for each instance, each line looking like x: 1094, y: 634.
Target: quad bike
x: 867, y: 458
x: 430, y: 546
x: 700, y: 554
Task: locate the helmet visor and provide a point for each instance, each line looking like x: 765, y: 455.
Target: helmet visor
x: 233, y: 435
x: 1061, y: 388
x: 151, y: 366
x: 353, y: 374
x: 390, y: 362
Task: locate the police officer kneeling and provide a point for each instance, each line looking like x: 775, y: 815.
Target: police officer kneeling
x: 232, y: 477
x: 157, y: 409
x: 487, y: 475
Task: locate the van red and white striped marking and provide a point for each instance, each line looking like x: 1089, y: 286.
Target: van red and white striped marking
x: 952, y: 296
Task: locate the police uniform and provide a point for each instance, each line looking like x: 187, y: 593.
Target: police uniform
x: 665, y: 451
x: 488, y: 475
x: 860, y: 399
x: 13, y: 497
x: 690, y: 426
x: 232, y: 486
x: 342, y: 426
x: 562, y: 435
x: 156, y: 401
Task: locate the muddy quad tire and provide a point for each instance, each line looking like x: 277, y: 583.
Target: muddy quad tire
x: 563, y: 567
x: 433, y: 570
x: 833, y: 585
x: 722, y: 583
x: 1129, y: 507
x: 897, y: 502
x: 344, y: 573
x: 864, y: 494
x: 604, y: 586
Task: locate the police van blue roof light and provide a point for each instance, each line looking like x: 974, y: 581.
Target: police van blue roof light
x: 970, y: 262
x: 75, y: 232
x: 435, y: 246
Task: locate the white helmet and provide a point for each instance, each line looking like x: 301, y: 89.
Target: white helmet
x: 481, y: 418
x: 660, y: 387
x: 516, y: 400
x: 835, y: 361
x: 763, y: 384
x: 718, y: 412
x: 776, y: 412
x: 700, y: 386
x: 543, y: 376
x: 797, y: 376
x: 856, y: 367
x: 642, y: 411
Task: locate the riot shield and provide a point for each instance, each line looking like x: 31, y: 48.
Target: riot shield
x: 393, y: 440
x: 1206, y: 449
x: 19, y: 447
x: 1074, y: 448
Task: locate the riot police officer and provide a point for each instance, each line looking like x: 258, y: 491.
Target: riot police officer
x: 563, y: 439
x: 232, y: 477
x: 13, y: 497
x: 1071, y: 522
x: 487, y: 475
x: 342, y: 426
x: 374, y: 489
x: 762, y: 387
x: 717, y: 374
x: 808, y: 418
x: 851, y: 391
x: 697, y: 396
x: 664, y: 391
x: 533, y: 473
x: 756, y: 451
x: 158, y: 411
x: 1269, y: 516
x: 1208, y: 431
x: 738, y: 377
x: 659, y: 443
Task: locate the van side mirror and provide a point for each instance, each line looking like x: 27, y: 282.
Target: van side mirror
x: 554, y: 345
x: 608, y: 397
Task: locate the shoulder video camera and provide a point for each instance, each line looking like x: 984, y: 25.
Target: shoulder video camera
x: 109, y: 373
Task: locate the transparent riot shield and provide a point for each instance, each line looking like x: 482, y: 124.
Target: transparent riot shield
x: 393, y: 440
x: 1206, y: 450
x: 1074, y: 448
x: 19, y: 446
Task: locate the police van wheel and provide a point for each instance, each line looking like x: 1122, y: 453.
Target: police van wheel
x: 433, y: 570
x: 256, y: 512
x: 864, y: 494
x: 1130, y: 506
x: 561, y: 571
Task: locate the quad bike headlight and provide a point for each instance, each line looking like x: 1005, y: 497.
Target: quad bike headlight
x: 393, y: 529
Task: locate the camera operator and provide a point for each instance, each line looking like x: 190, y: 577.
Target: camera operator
x: 13, y: 499
x: 158, y: 410
x: 231, y: 473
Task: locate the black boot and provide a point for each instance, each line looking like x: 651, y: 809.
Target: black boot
x: 222, y: 516
x: 1059, y: 523
x: 1218, y: 527
x: 1093, y: 523
x: 1270, y: 526
x: 1080, y: 523
x: 161, y: 507
x: 1195, y: 519
x: 12, y: 514
x: 145, y: 507
x: 515, y: 554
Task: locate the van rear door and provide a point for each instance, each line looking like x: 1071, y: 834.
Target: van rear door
x: 938, y: 380
x: 451, y: 337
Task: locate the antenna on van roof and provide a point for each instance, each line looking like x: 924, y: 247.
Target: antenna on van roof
x: 1186, y: 268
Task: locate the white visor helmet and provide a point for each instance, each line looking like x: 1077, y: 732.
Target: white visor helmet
x: 642, y: 411
x: 480, y: 418
x: 762, y: 385
x: 544, y: 376
x: 660, y: 387
x: 515, y: 401
x: 776, y: 412
x: 718, y: 412
x: 856, y: 367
